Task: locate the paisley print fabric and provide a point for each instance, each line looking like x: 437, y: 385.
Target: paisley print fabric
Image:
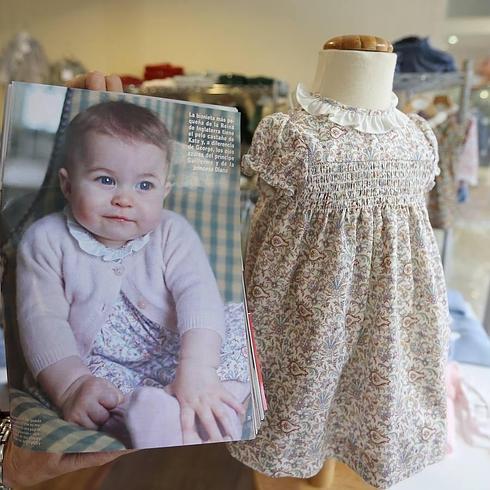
x: 348, y: 298
x: 443, y: 197
x: 130, y: 350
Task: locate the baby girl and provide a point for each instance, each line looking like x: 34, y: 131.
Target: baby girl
x: 120, y: 317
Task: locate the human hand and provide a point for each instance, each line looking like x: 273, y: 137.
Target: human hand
x: 88, y: 401
x: 202, y: 396
x: 95, y: 80
x: 23, y: 468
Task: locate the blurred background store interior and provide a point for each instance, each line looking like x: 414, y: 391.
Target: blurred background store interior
x: 251, y: 55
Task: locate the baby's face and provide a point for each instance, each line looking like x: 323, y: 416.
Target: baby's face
x: 116, y: 188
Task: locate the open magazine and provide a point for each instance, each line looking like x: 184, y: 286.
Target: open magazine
x: 126, y: 323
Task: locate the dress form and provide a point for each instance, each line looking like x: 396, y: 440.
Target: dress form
x: 356, y: 71
x: 356, y: 76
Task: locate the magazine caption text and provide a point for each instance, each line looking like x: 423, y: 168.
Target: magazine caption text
x: 210, y: 142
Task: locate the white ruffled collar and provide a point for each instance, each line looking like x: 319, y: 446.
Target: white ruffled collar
x: 88, y: 243
x: 373, y: 121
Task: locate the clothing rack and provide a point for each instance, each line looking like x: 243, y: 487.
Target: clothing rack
x: 409, y: 84
x: 216, y: 92
x: 253, y: 100
x: 425, y: 82
x: 406, y: 85
x: 486, y: 316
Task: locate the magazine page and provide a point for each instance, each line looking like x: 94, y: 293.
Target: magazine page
x: 126, y: 323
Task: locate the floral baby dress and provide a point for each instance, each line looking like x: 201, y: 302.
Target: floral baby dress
x: 347, y: 293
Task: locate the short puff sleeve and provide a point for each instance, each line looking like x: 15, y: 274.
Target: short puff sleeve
x: 277, y: 154
x: 431, y: 139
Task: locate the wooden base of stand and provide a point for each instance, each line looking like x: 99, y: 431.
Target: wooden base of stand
x: 322, y: 481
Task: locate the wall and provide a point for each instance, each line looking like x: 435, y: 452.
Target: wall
x: 468, y: 8
x: 278, y: 38
x: 474, y: 37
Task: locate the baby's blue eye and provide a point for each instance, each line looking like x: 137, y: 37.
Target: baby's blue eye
x: 106, y: 180
x: 145, y: 186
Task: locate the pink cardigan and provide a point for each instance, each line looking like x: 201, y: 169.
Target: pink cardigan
x: 64, y: 294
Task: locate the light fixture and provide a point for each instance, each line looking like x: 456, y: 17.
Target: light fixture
x: 484, y: 94
x: 453, y: 39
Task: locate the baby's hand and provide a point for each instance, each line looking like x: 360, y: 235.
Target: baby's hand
x: 88, y: 400
x: 201, y: 394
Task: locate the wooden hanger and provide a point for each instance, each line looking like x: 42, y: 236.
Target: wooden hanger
x: 359, y: 42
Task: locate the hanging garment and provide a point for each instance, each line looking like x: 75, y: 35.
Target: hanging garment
x: 443, y: 197
x: 416, y: 55
x: 484, y: 140
x: 347, y: 293
x: 468, y: 161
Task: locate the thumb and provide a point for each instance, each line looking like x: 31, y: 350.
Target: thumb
x: 111, y: 398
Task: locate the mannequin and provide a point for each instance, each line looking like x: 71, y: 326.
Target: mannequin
x: 354, y: 76
x: 344, y: 272
x: 347, y: 65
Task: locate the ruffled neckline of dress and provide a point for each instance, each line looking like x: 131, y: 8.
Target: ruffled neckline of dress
x: 89, y: 244
x: 374, y: 121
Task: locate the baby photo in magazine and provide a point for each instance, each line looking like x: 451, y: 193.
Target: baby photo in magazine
x: 122, y: 322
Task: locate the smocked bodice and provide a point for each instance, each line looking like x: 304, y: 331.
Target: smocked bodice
x: 309, y: 157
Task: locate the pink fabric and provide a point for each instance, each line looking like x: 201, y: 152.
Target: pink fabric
x: 452, y: 382
x: 65, y: 295
x: 150, y: 417
x: 468, y: 408
x: 467, y: 165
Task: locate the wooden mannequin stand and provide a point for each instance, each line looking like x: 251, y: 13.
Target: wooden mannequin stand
x: 359, y: 42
